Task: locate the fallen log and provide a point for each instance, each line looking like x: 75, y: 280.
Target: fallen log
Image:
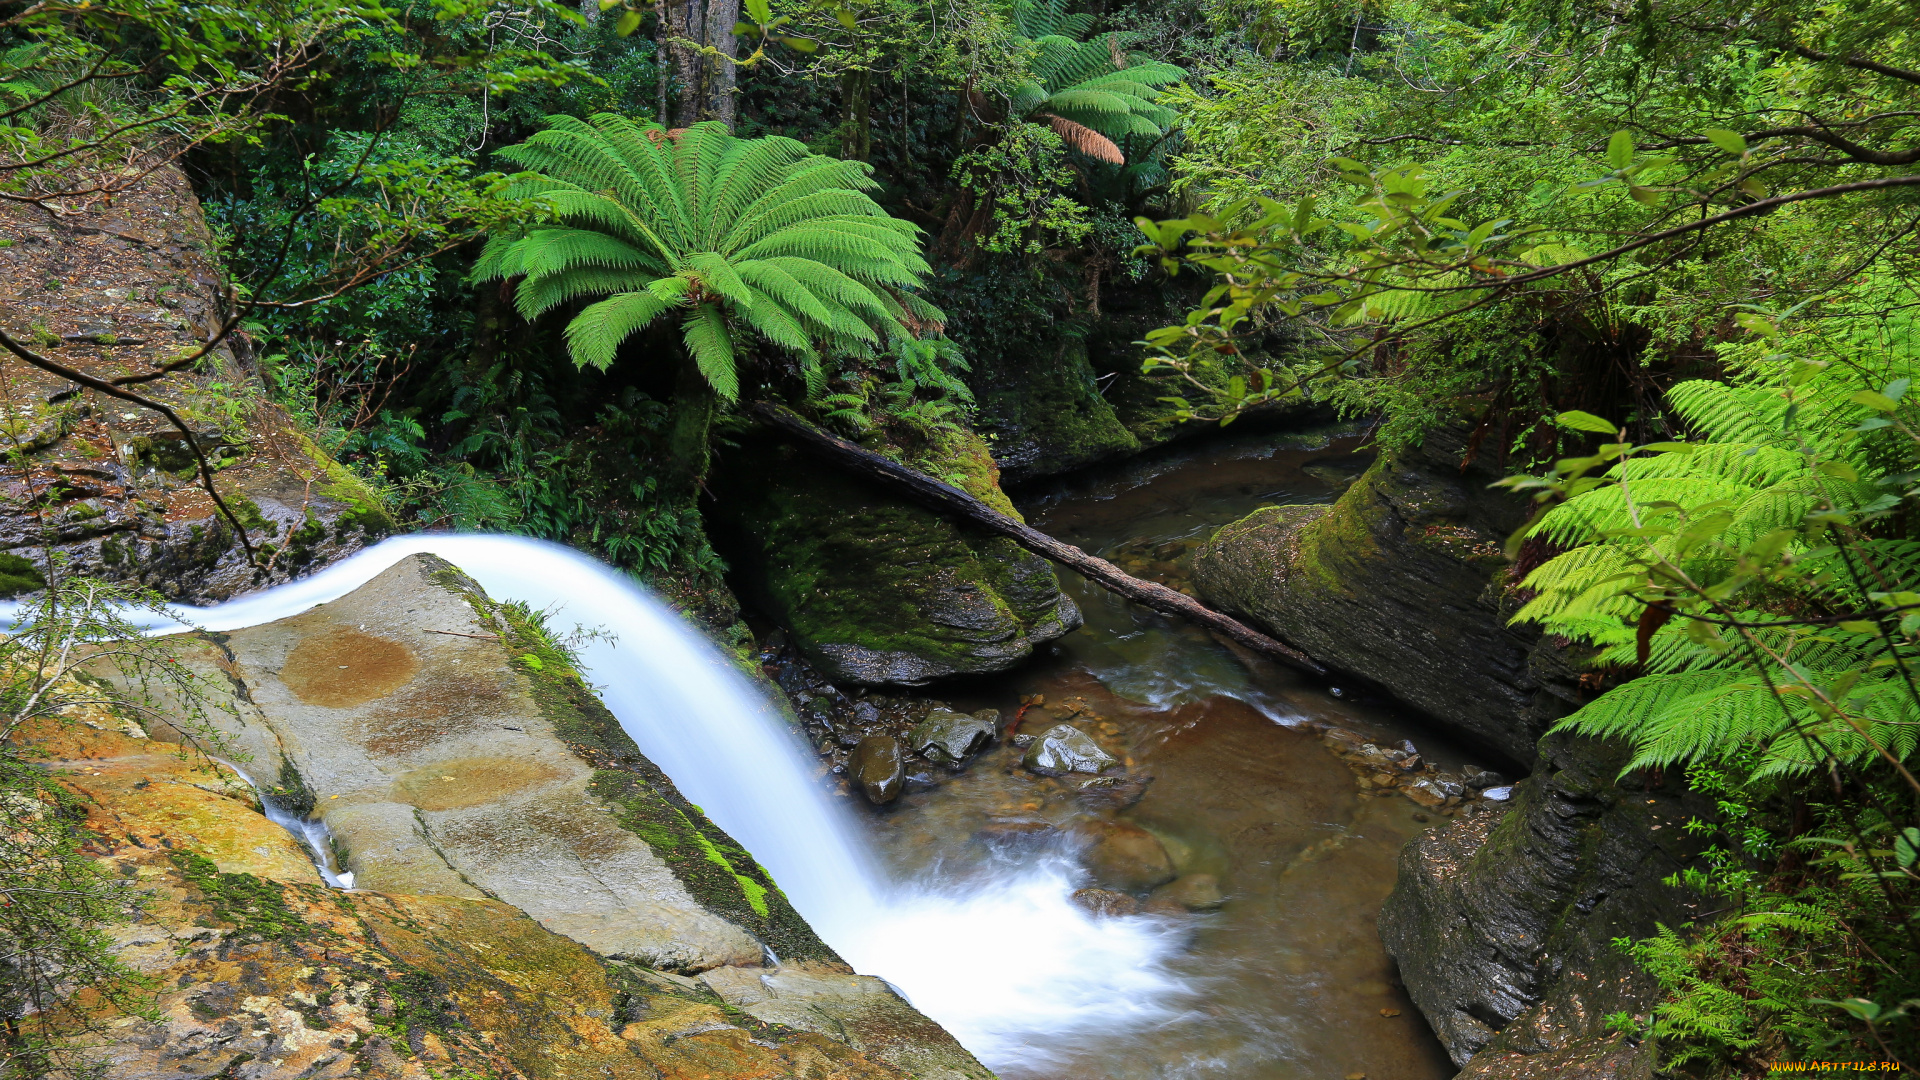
x: 946, y: 498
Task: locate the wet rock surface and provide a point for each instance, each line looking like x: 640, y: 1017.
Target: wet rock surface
x: 1063, y: 749
x: 1403, y: 583
x: 949, y: 738
x: 113, y: 488
x: 876, y: 766
x: 1503, y: 922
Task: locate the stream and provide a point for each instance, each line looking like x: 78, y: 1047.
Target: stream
x: 1288, y: 978
x: 962, y: 894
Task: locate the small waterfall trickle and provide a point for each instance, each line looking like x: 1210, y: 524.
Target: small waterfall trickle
x: 1007, y: 963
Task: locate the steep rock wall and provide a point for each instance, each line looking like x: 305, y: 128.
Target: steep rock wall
x: 1402, y: 583
x: 119, y: 290
x: 1502, y: 923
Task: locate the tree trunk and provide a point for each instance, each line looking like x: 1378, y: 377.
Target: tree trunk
x: 721, y: 74
x: 686, y: 22
x: 856, y: 109
x: 929, y: 492
x: 688, y: 454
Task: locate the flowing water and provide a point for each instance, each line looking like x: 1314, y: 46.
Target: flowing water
x: 1288, y: 979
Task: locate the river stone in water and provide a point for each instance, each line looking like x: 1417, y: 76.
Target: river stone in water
x: 1193, y: 892
x: 1125, y: 857
x: 1064, y: 749
x: 947, y: 738
x: 878, y: 768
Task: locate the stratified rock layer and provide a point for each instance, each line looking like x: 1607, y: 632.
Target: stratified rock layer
x: 1502, y: 923
x: 117, y: 290
x: 1402, y: 582
x: 877, y: 591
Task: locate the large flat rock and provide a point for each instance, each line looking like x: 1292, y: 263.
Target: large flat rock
x: 429, y: 758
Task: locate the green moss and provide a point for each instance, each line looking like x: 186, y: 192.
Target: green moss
x: 1050, y: 407
x: 250, y: 904
x: 851, y: 573
x: 369, y: 512
x: 18, y: 575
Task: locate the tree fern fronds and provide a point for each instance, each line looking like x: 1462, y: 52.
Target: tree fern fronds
x: 596, y: 333
x: 783, y: 289
x: 705, y: 332
x: 758, y: 232
x: 537, y: 295
x: 779, y: 326
x: 1754, y: 465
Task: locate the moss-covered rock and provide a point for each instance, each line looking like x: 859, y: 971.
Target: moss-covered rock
x: 1402, y: 582
x: 1044, y: 411
x: 874, y: 590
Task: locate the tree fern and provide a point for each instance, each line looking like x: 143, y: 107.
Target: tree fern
x: 1093, y: 94
x: 1733, y: 575
x: 740, y: 239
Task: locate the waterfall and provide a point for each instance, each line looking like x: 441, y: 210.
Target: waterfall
x: 1008, y: 964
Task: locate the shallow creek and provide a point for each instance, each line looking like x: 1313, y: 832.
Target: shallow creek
x: 1288, y: 979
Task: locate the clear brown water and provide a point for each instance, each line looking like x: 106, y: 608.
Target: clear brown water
x: 1289, y: 978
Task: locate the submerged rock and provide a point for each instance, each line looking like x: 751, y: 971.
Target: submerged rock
x: 1015, y: 836
x: 1124, y: 856
x: 879, y: 768
x: 1064, y: 749
x: 1112, y: 794
x: 948, y: 738
x: 1191, y: 892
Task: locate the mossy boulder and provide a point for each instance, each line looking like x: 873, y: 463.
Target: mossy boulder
x: 874, y: 590
x: 1403, y: 583
x: 1044, y: 411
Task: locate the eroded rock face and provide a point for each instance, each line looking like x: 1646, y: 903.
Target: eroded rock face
x: 443, y: 771
x: 875, y: 591
x: 112, y: 487
x: 1502, y: 922
x: 1403, y: 583
x: 262, y: 972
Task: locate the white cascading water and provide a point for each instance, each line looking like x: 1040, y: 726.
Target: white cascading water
x: 1008, y: 964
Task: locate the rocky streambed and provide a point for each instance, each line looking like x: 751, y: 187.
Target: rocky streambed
x: 1240, y: 822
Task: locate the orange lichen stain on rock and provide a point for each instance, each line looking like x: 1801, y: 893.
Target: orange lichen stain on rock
x: 464, y: 782
x: 341, y: 667
x: 146, y: 792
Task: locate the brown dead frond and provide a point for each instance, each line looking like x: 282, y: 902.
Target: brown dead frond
x: 1087, y: 141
